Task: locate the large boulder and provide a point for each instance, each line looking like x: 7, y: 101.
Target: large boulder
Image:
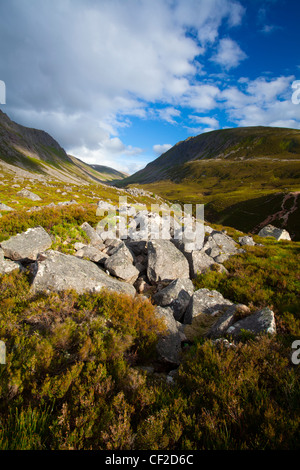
x: 205, y: 301
x: 271, y: 231
x: 55, y: 271
x: 176, y: 296
x: 220, y: 246
x: 27, y: 245
x: 120, y: 264
x: 262, y: 321
x: 165, y: 262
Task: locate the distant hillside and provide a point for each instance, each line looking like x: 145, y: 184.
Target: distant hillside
x: 36, y: 151
x: 233, y: 172
x: 244, y: 143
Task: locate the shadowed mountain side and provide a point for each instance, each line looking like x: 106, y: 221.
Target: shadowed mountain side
x: 36, y: 151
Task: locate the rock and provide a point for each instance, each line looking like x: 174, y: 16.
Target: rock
x: 262, y: 321
x: 165, y: 262
x: 224, y: 243
x: 190, y: 237
x: 55, y: 271
x: 104, y: 206
x: 27, y: 245
x: 28, y: 195
x: 209, y: 302
x: 78, y: 246
x: 120, y: 264
x: 169, y: 345
x: 105, y: 234
x: 246, y: 240
x: 92, y: 234
x: 271, y: 231
x: 176, y: 296
x: 4, y: 207
x: 67, y: 203
x: 226, y: 320
x: 6, y: 265
x: 91, y: 252
x: 137, y: 247
x: 199, y: 262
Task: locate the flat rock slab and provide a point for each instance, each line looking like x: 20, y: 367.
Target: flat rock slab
x: 27, y: 245
x: 55, y: 271
x: 166, y: 262
x: 205, y: 301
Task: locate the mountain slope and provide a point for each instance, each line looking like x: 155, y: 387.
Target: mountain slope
x: 227, y: 144
x: 236, y: 173
x: 36, y: 151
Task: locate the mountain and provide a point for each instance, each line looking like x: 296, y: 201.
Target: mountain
x: 36, y: 151
x: 244, y: 176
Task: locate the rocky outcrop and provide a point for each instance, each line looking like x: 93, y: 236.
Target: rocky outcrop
x: 271, y: 231
x: 55, y: 271
x: 26, y: 245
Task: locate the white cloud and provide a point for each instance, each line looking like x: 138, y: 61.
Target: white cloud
x: 263, y: 103
x: 83, y: 68
x: 159, y: 149
x: 229, y: 54
x: 209, y: 121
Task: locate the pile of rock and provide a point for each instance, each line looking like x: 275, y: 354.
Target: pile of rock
x: 163, y: 268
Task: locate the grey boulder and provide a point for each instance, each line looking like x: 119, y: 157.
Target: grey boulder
x: 262, y: 321
x: 120, y: 264
x: 27, y: 245
x: 28, y: 195
x: 271, y: 231
x: 165, y: 262
x: 55, y: 271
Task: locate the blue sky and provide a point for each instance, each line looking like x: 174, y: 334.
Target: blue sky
x: 117, y: 82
